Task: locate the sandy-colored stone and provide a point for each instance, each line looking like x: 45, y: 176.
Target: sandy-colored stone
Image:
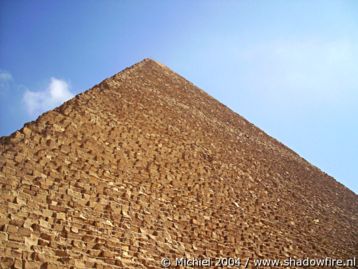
x: 145, y: 165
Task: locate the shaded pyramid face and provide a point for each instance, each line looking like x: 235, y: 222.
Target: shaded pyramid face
x: 145, y: 165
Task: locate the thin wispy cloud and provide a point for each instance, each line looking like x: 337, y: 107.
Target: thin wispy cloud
x: 5, y: 76
x: 57, y: 92
x: 5, y: 81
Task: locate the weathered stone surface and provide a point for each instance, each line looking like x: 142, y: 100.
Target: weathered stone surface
x: 145, y: 165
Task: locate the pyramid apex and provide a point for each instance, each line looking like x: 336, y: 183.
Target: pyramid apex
x: 145, y: 62
x: 149, y: 60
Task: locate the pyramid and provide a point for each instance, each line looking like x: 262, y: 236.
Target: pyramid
x: 146, y: 166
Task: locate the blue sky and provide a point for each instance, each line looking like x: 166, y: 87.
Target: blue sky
x: 290, y: 67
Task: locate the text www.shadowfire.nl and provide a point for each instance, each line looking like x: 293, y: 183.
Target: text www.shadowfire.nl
x: 245, y: 263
